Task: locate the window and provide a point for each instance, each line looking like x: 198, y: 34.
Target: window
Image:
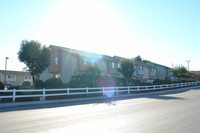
x: 140, y: 67
x: 56, y: 61
x: 57, y: 76
x: 27, y: 77
x: 87, y: 60
x: 93, y: 61
x: 118, y: 65
x: 11, y: 77
x: 153, y: 70
x: 113, y: 65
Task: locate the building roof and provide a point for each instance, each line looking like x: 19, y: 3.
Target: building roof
x: 85, y: 54
x: 14, y: 72
x: 104, y: 57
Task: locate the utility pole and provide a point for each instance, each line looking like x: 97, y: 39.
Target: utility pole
x: 6, y: 68
x: 188, y: 61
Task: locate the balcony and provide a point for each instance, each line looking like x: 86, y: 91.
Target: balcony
x: 152, y: 74
x: 140, y: 72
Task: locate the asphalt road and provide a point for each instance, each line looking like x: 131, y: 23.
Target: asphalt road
x: 174, y: 112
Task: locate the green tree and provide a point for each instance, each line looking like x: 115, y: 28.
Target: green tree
x: 190, y: 75
x: 1, y: 86
x: 93, y: 71
x: 88, y: 78
x: 181, y: 72
x: 126, y: 68
x: 138, y: 58
x: 35, y: 56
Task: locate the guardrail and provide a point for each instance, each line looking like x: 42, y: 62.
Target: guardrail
x: 108, y: 91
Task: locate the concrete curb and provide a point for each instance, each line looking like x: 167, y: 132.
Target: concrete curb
x: 79, y: 100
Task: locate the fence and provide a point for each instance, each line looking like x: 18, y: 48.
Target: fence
x: 108, y: 91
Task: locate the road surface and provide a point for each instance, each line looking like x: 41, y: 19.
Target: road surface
x: 174, y: 112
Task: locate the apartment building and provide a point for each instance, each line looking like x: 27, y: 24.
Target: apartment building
x: 15, y: 77
x: 149, y: 71
x: 66, y: 63
x: 145, y: 72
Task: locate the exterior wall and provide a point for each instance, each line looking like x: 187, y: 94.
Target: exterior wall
x: 66, y: 63
x: 45, y: 75
x: 69, y: 66
x: 112, y: 68
x: 55, y: 61
x: 139, y: 70
x: 152, y: 72
x: 103, y: 67
x: 146, y: 73
x: 15, y: 77
x: 163, y: 72
x: 143, y: 72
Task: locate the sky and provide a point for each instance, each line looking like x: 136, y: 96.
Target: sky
x: 166, y: 32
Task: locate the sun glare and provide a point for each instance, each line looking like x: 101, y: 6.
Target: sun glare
x: 86, y: 25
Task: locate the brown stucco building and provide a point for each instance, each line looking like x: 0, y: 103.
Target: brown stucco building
x: 66, y: 62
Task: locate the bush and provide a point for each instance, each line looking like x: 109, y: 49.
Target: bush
x: 80, y: 81
x: 25, y: 87
x: 65, y: 85
x: 26, y: 83
x: 14, y: 87
x: 53, y: 83
x: 159, y: 82
x: 1, y: 86
x: 39, y: 83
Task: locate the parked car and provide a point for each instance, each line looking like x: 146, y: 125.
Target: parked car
x: 8, y: 85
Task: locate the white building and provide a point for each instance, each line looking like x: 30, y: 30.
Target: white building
x: 15, y: 77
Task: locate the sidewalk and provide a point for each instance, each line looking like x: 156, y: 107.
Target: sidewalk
x: 79, y: 100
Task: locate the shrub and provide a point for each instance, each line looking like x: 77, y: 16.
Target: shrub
x: 79, y: 81
x: 158, y: 82
x: 14, y: 87
x: 24, y: 87
x: 39, y: 83
x: 26, y: 83
x: 53, y: 83
x: 1, y: 86
x: 65, y: 85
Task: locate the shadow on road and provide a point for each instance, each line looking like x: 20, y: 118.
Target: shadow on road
x: 164, y: 95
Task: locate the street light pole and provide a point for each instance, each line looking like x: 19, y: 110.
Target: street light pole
x: 188, y: 61
x: 6, y: 68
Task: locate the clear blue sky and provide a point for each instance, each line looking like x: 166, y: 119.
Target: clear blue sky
x: 163, y: 31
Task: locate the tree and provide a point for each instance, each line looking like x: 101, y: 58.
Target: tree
x: 88, y: 78
x: 181, y: 72
x: 1, y: 86
x: 35, y: 56
x: 126, y: 68
x: 190, y: 75
x: 94, y: 71
x: 138, y: 58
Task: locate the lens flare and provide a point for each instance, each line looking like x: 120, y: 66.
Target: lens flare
x: 90, y: 58
x: 107, y: 84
